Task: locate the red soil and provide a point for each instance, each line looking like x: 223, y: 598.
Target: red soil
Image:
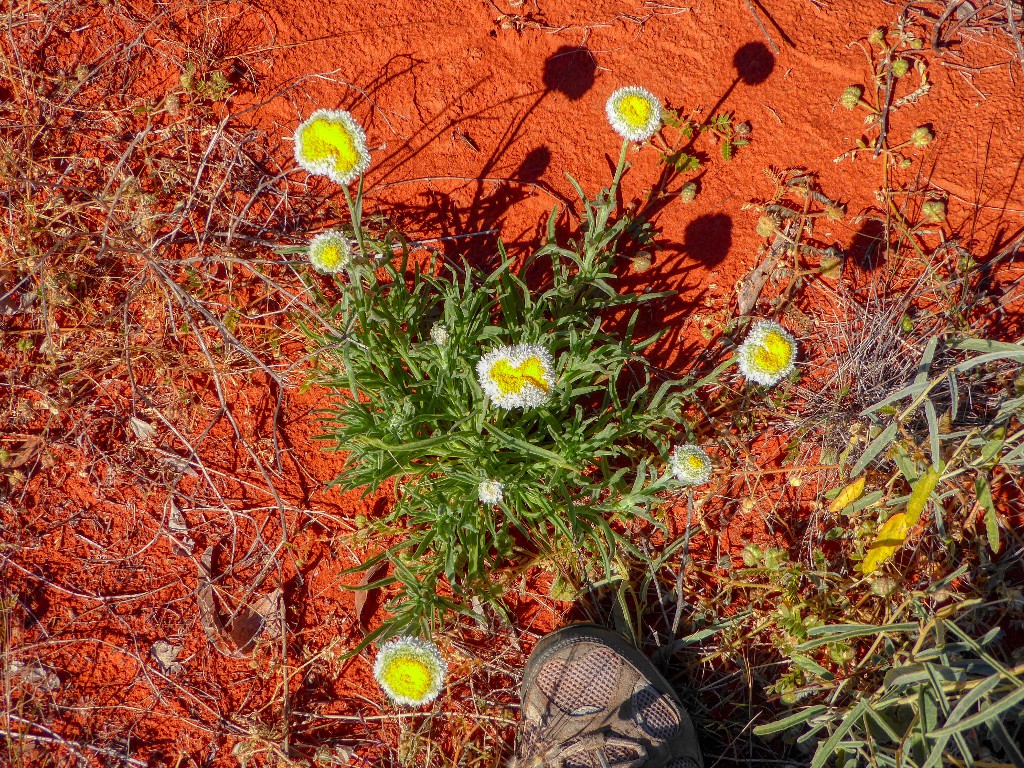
x: 475, y: 113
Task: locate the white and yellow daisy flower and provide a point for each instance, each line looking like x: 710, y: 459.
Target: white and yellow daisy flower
x: 331, y: 143
x: 517, y: 376
x: 411, y: 671
x: 768, y: 353
x: 634, y: 112
x: 690, y: 464
x: 330, y: 252
x: 491, y: 491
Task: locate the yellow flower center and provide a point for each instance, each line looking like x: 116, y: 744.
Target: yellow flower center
x: 324, y: 139
x: 511, y: 380
x: 409, y: 677
x: 330, y: 256
x: 635, y: 110
x: 773, y: 353
x: 695, y: 462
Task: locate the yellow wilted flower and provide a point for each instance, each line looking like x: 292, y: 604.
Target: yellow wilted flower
x: 848, y: 495
x: 893, y: 533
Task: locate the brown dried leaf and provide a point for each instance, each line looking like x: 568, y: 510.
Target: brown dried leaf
x: 752, y: 285
x: 363, y: 595
x: 236, y: 636
x: 28, y: 451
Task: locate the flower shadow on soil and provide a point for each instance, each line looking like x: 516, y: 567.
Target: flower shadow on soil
x: 477, y: 208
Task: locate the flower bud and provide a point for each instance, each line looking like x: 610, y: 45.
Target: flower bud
x: 921, y: 137
x: 767, y: 224
x: 877, y: 36
x: 934, y: 211
x: 835, y: 212
x: 851, y: 96
x: 688, y: 193
x: 900, y: 67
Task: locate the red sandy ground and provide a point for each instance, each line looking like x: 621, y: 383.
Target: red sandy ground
x: 474, y: 114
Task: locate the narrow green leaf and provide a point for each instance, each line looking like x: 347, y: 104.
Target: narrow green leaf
x: 875, y: 447
x: 789, y: 721
x: 828, y: 748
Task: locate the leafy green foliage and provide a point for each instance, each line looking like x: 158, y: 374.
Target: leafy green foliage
x: 410, y: 410
x: 941, y: 686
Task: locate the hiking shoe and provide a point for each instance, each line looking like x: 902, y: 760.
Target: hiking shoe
x: 591, y: 700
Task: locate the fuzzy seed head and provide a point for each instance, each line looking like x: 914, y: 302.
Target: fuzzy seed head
x: 641, y: 262
x: 688, y: 193
x: 835, y: 212
x: 331, y: 143
x: 768, y: 354
x: 690, y: 464
x: 634, y: 113
x: 767, y: 224
x: 883, y: 586
x: 877, y: 36
x: 934, y: 211
x: 900, y: 67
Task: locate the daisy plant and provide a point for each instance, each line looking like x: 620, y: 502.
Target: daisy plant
x: 634, y: 113
x: 513, y: 422
x: 331, y: 143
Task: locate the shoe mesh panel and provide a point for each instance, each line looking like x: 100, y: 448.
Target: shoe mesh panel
x: 655, y: 713
x: 615, y: 754
x: 683, y: 762
x: 622, y: 754
x: 583, y: 684
x: 581, y: 761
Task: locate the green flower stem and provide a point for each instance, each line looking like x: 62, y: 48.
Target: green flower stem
x: 620, y: 168
x: 355, y: 209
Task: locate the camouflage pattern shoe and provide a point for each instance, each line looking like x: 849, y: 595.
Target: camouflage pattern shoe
x: 591, y: 700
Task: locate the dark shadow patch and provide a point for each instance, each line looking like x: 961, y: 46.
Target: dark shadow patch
x: 867, y: 249
x: 707, y: 239
x: 754, y: 63
x: 570, y: 71
x: 533, y: 165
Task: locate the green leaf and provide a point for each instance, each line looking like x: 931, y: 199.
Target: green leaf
x: 875, y: 447
x: 828, y: 748
x: 983, y: 494
x: 784, y: 724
